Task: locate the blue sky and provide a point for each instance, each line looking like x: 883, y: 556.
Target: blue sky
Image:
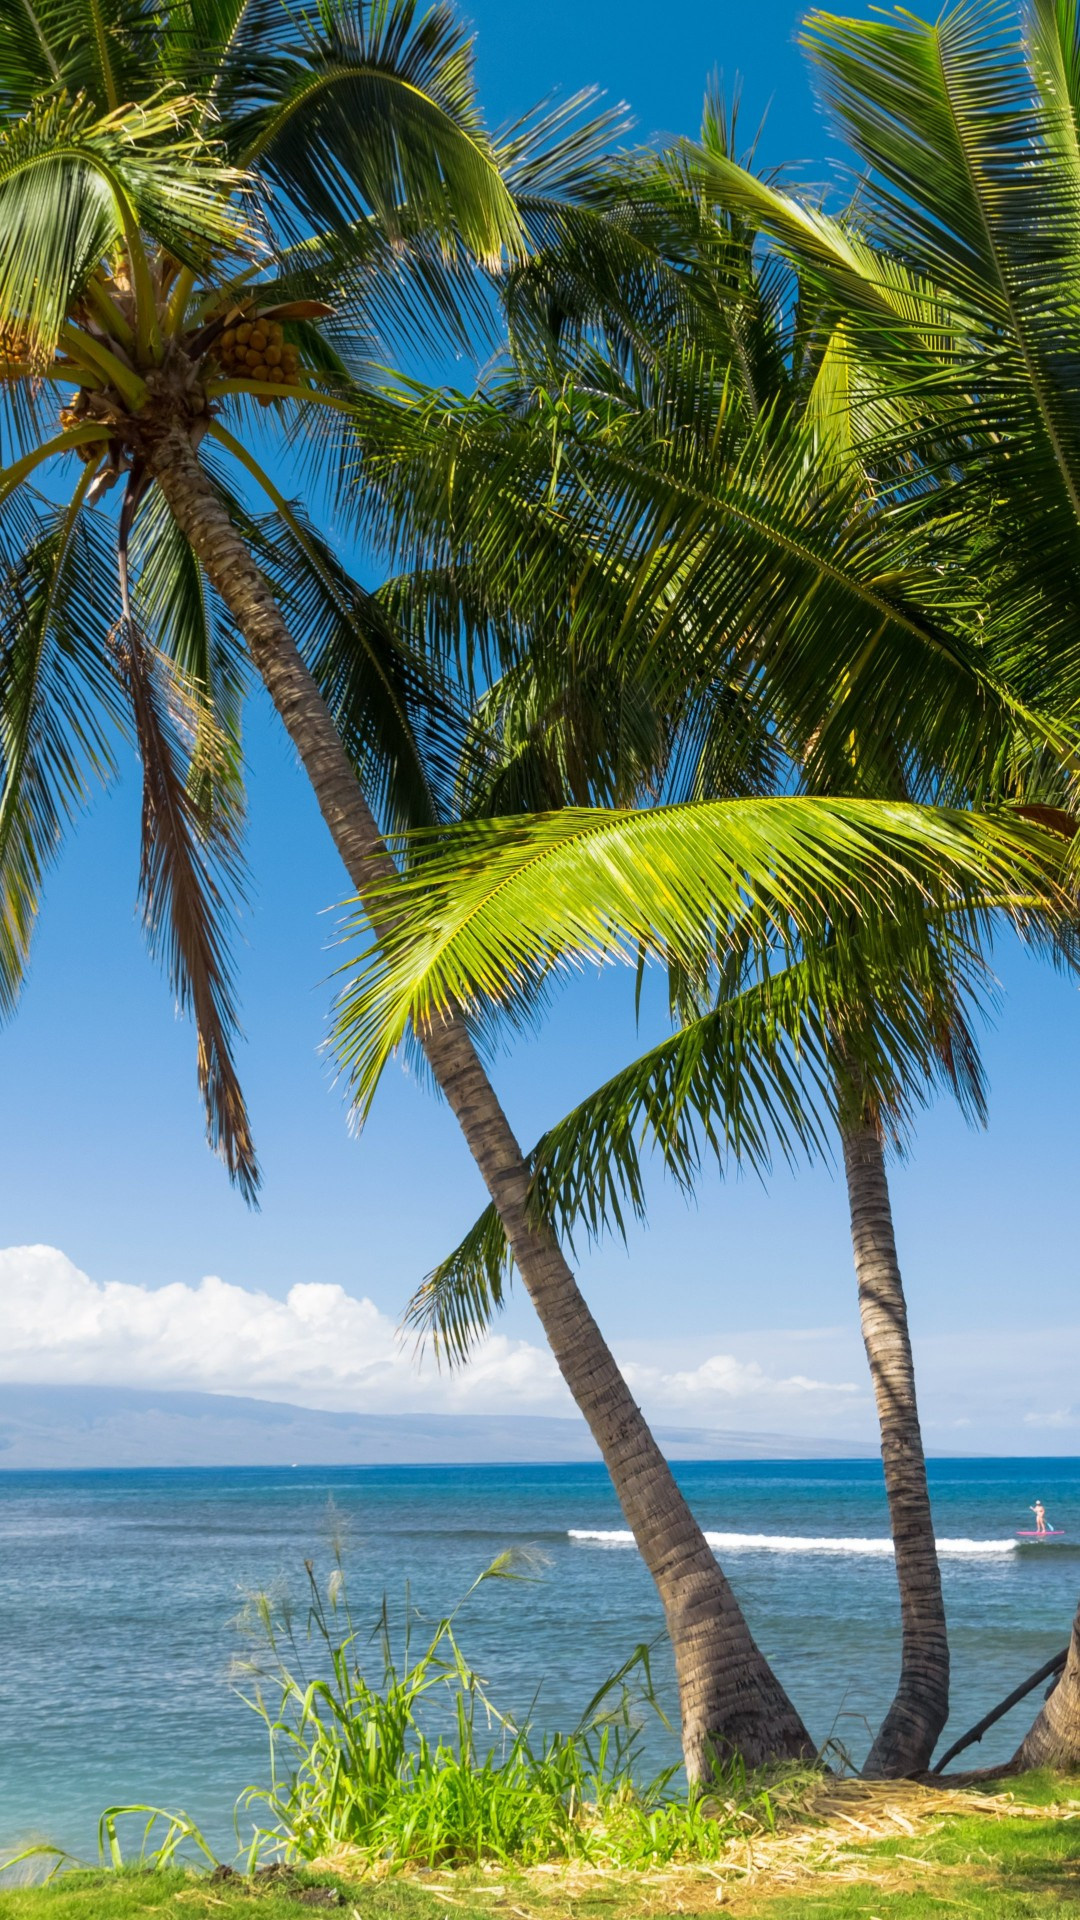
x: 101, y: 1135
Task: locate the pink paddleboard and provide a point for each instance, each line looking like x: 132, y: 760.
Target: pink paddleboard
x: 1049, y: 1533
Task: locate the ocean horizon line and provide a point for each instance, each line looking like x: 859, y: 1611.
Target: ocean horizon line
x: 539, y: 1464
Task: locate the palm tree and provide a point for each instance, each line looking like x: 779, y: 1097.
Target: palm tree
x: 953, y: 271
x: 906, y: 1739
x: 180, y: 195
x: 715, y: 254
x: 657, y: 359
x: 741, y: 1081
x: 754, y: 1075
x: 201, y: 211
x: 145, y: 287
x: 491, y: 908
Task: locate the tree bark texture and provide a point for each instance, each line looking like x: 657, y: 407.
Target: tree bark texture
x: 909, y: 1732
x: 1053, y: 1740
x: 730, y: 1700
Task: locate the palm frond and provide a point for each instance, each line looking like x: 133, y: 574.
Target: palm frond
x: 493, y: 911
x: 57, y: 701
x: 561, y: 150
x: 72, y: 186
x: 967, y: 130
x: 103, y: 50
x: 399, y: 719
x: 667, y: 526
x: 768, y: 1070
x: 188, y: 873
x: 375, y: 113
x: 459, y: 1299
x: 230, y: 53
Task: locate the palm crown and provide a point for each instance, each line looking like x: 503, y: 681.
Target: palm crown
x: 203, y: 205
x: 734, y: 511
x: 740, y: 534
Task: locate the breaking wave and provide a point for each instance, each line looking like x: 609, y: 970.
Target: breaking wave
x: 802, y: 1543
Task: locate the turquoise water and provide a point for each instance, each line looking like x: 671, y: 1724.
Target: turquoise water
x: 118, y: 1590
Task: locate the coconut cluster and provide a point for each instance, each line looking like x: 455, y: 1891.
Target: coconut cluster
x: 258, y: 350
x: 14, y: 350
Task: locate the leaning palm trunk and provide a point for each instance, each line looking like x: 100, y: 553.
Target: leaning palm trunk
x: 909, y: 1732
x: 1053, y: 1740
x: 730, y: 1700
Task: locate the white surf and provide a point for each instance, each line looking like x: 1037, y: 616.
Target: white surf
x: 800, y: 1543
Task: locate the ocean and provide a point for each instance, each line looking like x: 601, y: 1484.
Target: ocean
x: 119, y: 1593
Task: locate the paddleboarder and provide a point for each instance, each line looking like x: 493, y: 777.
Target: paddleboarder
x: 1040, y: 1516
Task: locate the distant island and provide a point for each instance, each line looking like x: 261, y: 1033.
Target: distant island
x: 90, y: 1426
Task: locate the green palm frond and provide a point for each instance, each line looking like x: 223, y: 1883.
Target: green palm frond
x: 542, y: 737
x: 890, y: 299
x: 74, y: 186
x: 417, y: 296
x: 967, y: 130
x: 552, y: 731
x: 387, y: 300
x: 562, y: 151
x: 646, y: 251
x: 57, y: 702
x: 58, y: 215
x: 601, y: 272
x: 103, y: 50
x: 757, y: 1075
x: 399, y: 720
x: 938, y: 112
x: 29, y: 65
x: 375, y: 112
x: 231, y: 53
x: 495, y: 910
x: 669, y: 528
x: 460, y: 1297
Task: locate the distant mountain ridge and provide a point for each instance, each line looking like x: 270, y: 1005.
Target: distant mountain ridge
x: 93, y: 1426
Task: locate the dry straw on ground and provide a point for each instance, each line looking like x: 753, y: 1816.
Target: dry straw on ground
x: 821, y: 1831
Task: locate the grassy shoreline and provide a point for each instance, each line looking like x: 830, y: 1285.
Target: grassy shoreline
x: 1009, y: 1849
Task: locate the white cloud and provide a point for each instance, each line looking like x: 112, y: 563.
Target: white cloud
x: 724, y: 1376
x: 323, y: 1347
x: 319, y: 1346
x: 983, y: 1389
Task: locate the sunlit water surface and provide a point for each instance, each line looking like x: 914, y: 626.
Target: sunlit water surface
x: 119, y: 1592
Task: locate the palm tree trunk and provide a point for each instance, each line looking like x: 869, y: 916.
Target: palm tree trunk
x: 1053, y: 1739
x: 730, y: 1700
x: 909, y: 1733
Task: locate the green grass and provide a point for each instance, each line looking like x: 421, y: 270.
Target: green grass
x: 175, y: 1895
x: 977, y: 1869
x: 386, y: 1755
x: 975, y: 1865
x: 985, y: 1868
x: 172, y: 1894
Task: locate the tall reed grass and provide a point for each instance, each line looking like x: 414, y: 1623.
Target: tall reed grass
x: 386, y: 1751
x: 392, y: 1753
